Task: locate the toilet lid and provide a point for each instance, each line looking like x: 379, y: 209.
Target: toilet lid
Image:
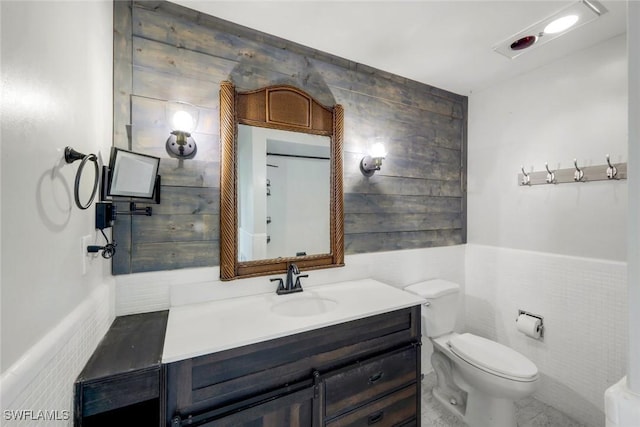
x: 493, y: 357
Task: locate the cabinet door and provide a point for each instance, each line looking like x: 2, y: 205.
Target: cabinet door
x: 291, y: 410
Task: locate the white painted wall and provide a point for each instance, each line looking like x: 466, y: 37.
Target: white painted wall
x: 555, y: 250
x: 573, y: 108
x: 634, y: 200
x: 56, y: 91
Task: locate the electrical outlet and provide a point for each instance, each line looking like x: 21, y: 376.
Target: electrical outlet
x: 85, y: 241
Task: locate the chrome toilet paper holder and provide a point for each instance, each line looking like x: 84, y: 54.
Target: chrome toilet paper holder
x: 537, y: 316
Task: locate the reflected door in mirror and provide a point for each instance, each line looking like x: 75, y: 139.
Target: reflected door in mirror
x: 283, y: 194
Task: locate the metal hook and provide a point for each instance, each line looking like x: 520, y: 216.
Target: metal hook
x: 551, y: 176
x: 578, y: 175
x: 526, y: 179
x: 612, y: 172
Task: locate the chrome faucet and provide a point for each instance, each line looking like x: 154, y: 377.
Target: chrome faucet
x: 290, y: 286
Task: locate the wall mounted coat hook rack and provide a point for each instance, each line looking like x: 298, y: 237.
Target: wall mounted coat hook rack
x: 604, y: 172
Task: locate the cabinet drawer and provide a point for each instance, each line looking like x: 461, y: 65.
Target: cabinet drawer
x: 369, y: 380
x: 397, y: 409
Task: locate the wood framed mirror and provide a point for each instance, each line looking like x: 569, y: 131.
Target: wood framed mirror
x: 282, y: 113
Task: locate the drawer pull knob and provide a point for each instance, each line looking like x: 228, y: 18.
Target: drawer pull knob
x: 374, y: 418
x: 376, y: 377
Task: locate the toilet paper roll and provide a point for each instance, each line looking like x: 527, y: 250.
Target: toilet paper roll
x: 529, y: 325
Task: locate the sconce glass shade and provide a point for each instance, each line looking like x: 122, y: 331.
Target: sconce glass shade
x: 372, y: 162
x: 378, y: 150
x: 183, y: 120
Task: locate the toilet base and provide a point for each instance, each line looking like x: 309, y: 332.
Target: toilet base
x: 445, y: 401
x: 476, y: 409
x: 445, y: 390
x: 487, y: 411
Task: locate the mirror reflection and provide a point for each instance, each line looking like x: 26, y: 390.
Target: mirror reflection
x: 283, y: 193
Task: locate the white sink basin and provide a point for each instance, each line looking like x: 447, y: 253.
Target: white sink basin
x: 302, y: 306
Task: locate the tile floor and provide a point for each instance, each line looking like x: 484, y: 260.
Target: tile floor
x: 530, y: 412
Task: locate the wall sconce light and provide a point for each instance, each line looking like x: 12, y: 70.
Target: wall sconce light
x: 569, y: 18
x: 372, y: 161
x: 183, y: 119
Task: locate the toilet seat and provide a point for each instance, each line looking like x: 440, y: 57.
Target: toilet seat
x: 493, y: 357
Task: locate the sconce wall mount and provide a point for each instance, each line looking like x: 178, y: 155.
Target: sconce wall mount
x: 369, y: 165
x: 372, y: 162
x: 181, y: 145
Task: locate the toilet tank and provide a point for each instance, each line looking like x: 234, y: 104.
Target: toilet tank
x: 440, y: 311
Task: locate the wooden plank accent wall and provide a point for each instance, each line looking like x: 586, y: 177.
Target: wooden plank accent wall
x: 167, y: 52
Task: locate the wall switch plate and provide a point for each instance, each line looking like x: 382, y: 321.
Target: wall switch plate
x: 85, y: 241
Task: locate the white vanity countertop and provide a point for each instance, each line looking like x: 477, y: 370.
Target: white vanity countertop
x: 198, y: 329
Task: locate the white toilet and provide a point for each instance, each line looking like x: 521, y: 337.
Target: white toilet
x: 478, y: 379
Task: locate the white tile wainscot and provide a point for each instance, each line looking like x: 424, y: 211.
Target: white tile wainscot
x: 144, y: 292
x: 43, y: 378
x: 583, y: 302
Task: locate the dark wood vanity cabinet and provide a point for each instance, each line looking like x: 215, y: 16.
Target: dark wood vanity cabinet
x: 359, y: 373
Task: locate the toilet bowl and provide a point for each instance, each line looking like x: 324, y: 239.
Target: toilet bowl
x: 477, y: 379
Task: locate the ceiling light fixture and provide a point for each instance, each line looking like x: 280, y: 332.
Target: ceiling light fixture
x: 561, y: 22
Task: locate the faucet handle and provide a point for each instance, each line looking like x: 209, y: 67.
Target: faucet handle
x: 280, y: 284
x: 298, y: 284
x: 293, y: 268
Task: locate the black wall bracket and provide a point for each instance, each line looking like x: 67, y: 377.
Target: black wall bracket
x: 107, y: 212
